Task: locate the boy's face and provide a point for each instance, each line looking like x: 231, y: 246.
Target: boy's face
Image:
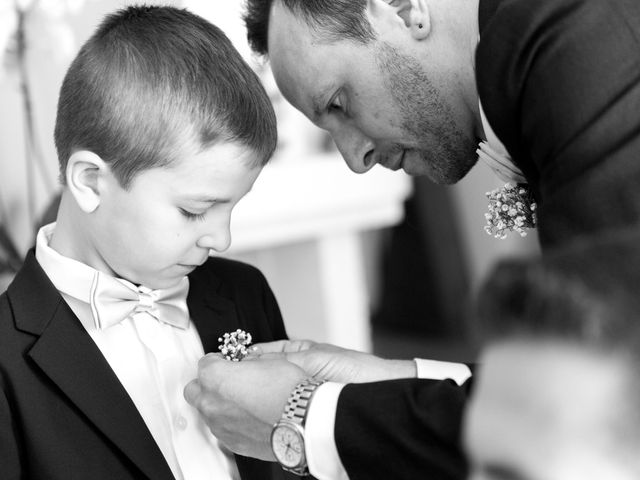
x: 163, y: 227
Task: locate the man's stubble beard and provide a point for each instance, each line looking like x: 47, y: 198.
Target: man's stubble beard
x: 446, y: 153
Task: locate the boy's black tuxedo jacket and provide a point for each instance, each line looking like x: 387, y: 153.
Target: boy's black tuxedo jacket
x: 559, y: 81
x: 63, y: 413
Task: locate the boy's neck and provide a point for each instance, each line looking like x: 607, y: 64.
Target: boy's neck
x: 71, y: 237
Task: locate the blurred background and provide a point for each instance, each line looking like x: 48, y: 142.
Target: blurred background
x: 378, y: 262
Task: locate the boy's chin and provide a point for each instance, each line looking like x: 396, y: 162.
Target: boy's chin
x: 160, y: 279
x: 171, y: 277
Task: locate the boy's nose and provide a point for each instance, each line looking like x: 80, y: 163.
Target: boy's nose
x: 218, y: 241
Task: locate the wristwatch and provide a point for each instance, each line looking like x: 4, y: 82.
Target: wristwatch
x: 287, y: 436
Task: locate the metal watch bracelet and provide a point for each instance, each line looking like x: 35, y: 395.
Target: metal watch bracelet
x: 298, y: 402
x: 295, y: 413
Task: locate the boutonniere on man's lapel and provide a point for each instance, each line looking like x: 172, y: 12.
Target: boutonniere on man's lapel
x: 512, y: 208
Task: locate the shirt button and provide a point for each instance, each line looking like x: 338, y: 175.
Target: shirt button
x: 181, y: 423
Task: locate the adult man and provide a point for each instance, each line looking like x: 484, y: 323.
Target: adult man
x: 561, y: 348
x: 394, y: 82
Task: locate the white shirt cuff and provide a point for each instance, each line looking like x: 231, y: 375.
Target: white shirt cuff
x: 436, y: 370
x: 320, y: 445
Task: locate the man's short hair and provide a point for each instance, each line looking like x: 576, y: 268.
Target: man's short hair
x: 152, y: 81
x: 586, y: 293
x: 330, y: 20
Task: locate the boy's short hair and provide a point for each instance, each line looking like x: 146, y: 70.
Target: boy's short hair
x: 152, y: 81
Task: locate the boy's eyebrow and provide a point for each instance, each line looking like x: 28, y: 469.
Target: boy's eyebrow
x: 208, y: 199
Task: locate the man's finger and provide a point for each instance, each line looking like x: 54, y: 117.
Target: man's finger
x: 269, y: 347
x: 208, y: 359
x: 297, y: 358
x: 271, y: 356
x: 282, y: 346
x: 192, y: 392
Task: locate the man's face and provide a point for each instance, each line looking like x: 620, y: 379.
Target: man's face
x: 549, y: 411
x: 163, y: 227
x: 376, y: 100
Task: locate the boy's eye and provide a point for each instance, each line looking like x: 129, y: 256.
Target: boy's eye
x: 192, y: 215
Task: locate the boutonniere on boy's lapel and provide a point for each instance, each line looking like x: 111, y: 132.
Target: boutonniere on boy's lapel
x: 234, y: 346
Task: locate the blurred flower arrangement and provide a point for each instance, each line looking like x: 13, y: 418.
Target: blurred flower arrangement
x: 25, y: 26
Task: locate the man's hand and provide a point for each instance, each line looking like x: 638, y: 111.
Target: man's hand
x: 241, y: 401
x: 334, y: 363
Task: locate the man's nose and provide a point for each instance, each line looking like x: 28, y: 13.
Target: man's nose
x: 357, y: 150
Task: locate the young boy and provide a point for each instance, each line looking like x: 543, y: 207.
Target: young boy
x: 161, y: 129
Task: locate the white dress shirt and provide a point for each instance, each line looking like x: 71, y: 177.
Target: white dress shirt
x: 495, y: 155
x: 153, y: 361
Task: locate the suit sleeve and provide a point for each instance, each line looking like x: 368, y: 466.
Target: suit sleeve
x: 401, y: 429
x: 560, y: 83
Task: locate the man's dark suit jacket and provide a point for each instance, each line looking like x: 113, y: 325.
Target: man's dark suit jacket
x: 64, y: 414
x: 559, y: 81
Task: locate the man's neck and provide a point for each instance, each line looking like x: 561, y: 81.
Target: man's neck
x: 463, y: 16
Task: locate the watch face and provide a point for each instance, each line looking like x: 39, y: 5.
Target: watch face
x: 287, y: 446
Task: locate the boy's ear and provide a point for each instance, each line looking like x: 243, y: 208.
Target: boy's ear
x: 414, y: 13
x: 83, y: 174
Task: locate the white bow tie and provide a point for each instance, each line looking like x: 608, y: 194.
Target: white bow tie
x: 113, y: 300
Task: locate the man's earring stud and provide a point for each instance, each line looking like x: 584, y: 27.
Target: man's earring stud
x: 419, y: 25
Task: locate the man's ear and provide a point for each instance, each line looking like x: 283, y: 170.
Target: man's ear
x: 83, y: 175
x: 414, y: 14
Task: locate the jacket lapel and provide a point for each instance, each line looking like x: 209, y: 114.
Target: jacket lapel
x: 69, y: 357
x: 213, y: 315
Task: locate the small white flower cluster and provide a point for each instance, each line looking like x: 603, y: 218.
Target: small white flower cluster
x: 511, y: 208
x: 234, y: 345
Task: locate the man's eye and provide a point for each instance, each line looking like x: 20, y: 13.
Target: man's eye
x: 192, y: 215
x: 336, y: 104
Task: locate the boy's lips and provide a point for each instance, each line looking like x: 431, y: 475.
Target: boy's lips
x: 190, y: 265
x: 195, y: 264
